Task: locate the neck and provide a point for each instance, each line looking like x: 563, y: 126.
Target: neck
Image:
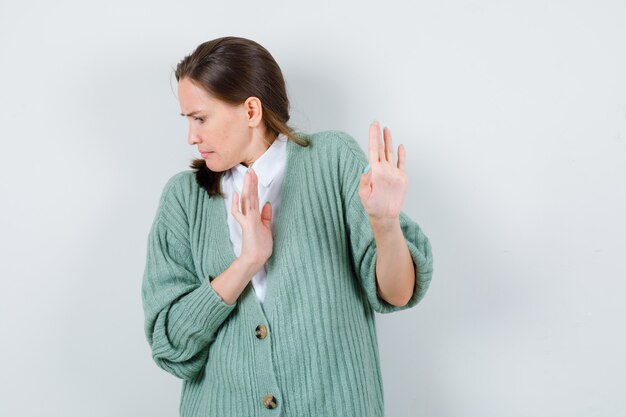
x: 258, y: 148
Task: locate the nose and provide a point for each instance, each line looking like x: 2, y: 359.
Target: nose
x: 192, y: 136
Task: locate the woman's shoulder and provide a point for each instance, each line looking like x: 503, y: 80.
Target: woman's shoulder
x: 179, y: 180
x: 178, y: 187
x: 338, y: 156
x: 333, y: 142
x: 331, y: 137
x: 338, y: 142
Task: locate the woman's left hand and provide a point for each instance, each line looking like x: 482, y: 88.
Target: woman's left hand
x: 383, y: 187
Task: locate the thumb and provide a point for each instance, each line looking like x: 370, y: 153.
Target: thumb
x: 266, y: 214
x: 365, y: 186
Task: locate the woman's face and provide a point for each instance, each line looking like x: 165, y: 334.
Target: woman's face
x: 215, y: 127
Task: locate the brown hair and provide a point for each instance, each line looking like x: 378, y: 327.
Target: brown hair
x: 232, y: 69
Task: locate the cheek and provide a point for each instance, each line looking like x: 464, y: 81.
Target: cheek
x: 211, y: 132
x: 238, y: 123
x: 221, y: 126
x: 231, y: 133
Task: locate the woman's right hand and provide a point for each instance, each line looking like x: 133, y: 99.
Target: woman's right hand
x: 257, y: 241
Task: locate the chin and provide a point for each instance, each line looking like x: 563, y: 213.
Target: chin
x: 215, y: 167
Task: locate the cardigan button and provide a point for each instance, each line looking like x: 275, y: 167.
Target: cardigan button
x: 260, y: 331
x: 269, y: 401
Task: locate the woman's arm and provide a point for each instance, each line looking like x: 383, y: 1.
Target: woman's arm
x: 382, y: 190
x: 183, y: 313
x: 390, y: 252
x: 231, y: 283
x: 395, y: 270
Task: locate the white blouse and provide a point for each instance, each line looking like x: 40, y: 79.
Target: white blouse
x: 270, y: 169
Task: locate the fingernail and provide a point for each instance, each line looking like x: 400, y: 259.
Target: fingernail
x: 367, y: 168
x: 375, y: 121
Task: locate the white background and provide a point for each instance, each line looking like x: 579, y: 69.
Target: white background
x: 513, y: 114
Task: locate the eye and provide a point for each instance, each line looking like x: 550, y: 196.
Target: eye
x: 200, y: 119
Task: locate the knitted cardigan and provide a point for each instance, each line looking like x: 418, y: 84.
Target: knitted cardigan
x: 311, y: 348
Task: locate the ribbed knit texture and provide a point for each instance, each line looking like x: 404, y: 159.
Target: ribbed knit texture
x: 320, y: 355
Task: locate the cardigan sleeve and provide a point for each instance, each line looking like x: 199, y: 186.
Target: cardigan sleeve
x: 182, y: 312
x: 362, y: 245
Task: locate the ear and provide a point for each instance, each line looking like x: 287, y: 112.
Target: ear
x: 254, y: 111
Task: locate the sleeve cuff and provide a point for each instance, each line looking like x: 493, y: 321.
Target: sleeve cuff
x: 422, y: 260
x: 204, y: 310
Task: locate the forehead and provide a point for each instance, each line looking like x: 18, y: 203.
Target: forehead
x: 190, y: 94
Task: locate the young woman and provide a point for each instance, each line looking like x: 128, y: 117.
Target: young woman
x: 267, y: 260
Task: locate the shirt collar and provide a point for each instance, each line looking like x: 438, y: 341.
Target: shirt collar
x: 268, y: 164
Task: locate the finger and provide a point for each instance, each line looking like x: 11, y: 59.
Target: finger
x: 374, y: 143
x: 388, y: 146
x: 246, y: 192
x: 249, y: 191
x: 244, y: 195
x: 401, y: 157
x: 381, y: 144
x: 234, y: 208
x: 254, y: 191
x: 266, y: 214
x: 365, y: 186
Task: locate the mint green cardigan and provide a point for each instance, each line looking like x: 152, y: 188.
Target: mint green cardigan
x: 311, y: 348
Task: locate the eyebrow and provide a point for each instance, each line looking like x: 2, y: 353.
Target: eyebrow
x: 193, y: 113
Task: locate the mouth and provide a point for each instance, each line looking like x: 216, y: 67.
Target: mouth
x: 205, y: 154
